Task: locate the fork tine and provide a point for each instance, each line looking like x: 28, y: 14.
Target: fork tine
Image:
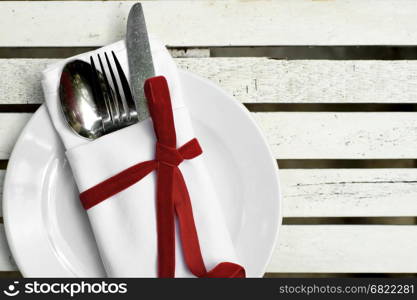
x: 119, y: 101
x: 108, y: 95
x: 133, y: 115
x: 98, y: 96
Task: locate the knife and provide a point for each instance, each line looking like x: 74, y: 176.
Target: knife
x: 139, y: 57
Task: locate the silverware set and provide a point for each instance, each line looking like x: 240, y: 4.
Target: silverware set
x: 96, y: 98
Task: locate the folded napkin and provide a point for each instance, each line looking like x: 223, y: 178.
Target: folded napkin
x: 126, y: 222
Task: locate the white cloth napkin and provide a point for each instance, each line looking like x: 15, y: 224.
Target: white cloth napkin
x: 125, y: 224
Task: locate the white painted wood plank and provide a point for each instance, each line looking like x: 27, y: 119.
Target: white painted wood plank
x: 20, y: 82
x: 326, y: 135
x: 345, y: 249
x: 344, y: 192
x: 6, y: 260
x: 11, y: 124
x: 327, y: 249
x: 263, y: 80
x: 259, y: 80
x: 349, y: 192
x: 221, y: 23
x: 302, y: 135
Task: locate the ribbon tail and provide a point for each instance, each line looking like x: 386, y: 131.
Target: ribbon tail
x: 188, y: 231
x: 189, y: 237
x: 165, y: 222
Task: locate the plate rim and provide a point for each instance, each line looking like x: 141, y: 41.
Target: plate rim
x: 5, y: 201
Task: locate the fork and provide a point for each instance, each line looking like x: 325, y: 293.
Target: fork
x: 115, y: 110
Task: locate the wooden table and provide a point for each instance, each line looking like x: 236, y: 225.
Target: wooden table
x: 348, y: 177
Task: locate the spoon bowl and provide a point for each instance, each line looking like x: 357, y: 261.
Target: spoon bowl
x: 77, y: 100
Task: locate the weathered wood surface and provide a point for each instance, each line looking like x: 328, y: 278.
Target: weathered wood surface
x: 328, y: 249
x: 259, y: 80
x: 215, y: 23
x: 343, y: 192
x: 326, y: 135
x: 306, y: 192
x: 298, y: 135
x: 264, y: 80
x: 349, y: 192
x: 346, y: 249
x: 11, y: 125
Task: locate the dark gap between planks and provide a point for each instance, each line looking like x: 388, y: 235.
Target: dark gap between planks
x: 345, y: 163
x: 319, y: 52
x: 349, y: 221
x: 331, y: 107
x: 3, y: 164
x: 10, y: 274
x: 19, y: 108
x: 327, y: 163
x: 275, y: 52
x: 279, y: 107
x: 341, y: 221
x: 57, y: 52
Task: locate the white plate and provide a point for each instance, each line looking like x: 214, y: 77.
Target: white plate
x: 48, y: 231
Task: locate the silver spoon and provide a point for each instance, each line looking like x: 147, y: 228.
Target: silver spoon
x: 77, y: 100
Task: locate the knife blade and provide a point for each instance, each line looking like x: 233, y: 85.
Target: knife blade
x: 139, y: 57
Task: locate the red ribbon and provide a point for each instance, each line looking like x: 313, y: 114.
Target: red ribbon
x: 172, y: 194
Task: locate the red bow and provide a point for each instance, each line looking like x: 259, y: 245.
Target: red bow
x: 172, y: 194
